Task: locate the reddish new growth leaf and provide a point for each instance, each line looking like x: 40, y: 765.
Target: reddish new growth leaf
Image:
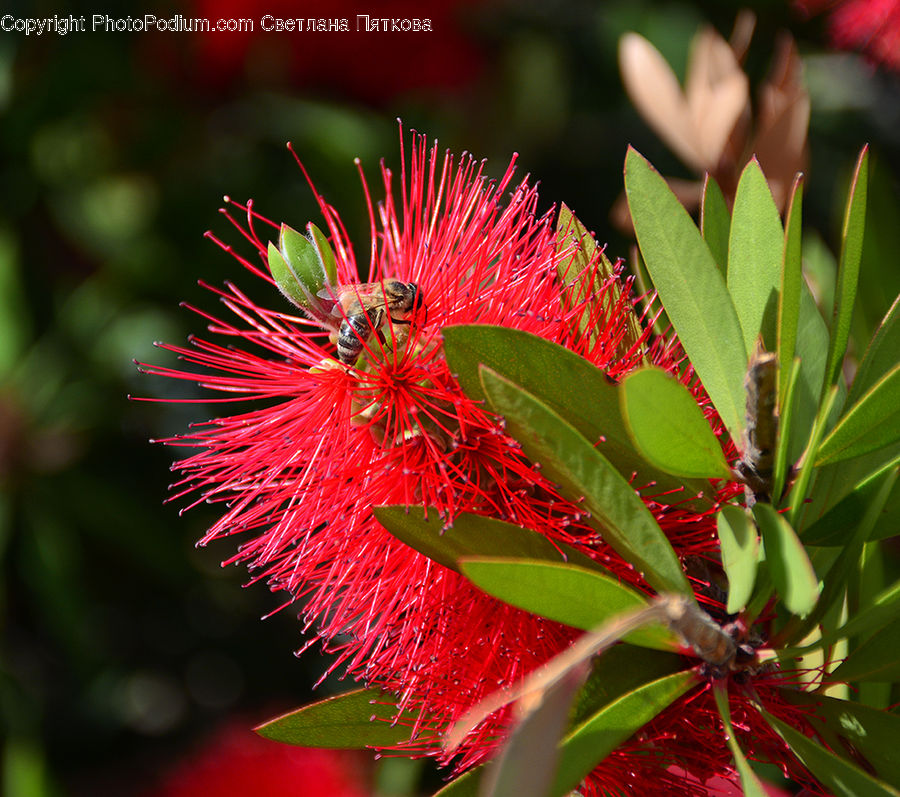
x: 297, y: 473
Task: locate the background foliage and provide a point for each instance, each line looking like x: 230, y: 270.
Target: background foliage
x: 122, y: 645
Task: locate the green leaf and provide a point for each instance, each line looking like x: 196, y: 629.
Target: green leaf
x: 285, y: 279
x: 668, y: 427
x: 569, y: 385
x: 755, y: 248
x: 691, y: 287
x: 785, y: 428
x: 303, y: 259
x: 848, y: 269
x: 565, y: 593
x: 877, y: 659
x: 836, y: 525
x: 750, y: 784
x: 884, y: 609
x: 880, y: 356
x: 297, y: 268
x: 843, y: 778
x: 791, y: 285
x: 871, y: 423
x: 358, y: 719
x: 843, y: 726
x: 789, y: 566
x: 618, y: 671
x: 739, y: 543
x: 801, y: 485
x: 632, y: 694
x: 715, y: 221
x: 527, y: 763
x: 585, y: 274
x: 471, y: 535
x: 595, y: 738
x: 324, y: 252
x: 812, y: 349
x: 651, y: 306
x: 848, y: 560
x: 466, y: 785
x: 568, y: 459
x: 836, y: 481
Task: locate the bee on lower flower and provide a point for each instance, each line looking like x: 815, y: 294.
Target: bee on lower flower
x: 365, y: 309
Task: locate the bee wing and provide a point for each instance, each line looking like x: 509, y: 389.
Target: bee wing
x: 364, y: 294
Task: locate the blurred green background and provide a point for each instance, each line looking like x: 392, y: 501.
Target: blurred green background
x: 123, y: 645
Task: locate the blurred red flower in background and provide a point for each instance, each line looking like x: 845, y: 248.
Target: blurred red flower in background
x: 872, y: 26
x: 373, y: 65
x: 236, y: 762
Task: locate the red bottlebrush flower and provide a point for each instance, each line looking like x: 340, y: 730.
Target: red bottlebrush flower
x: 687, y: 742
x: 236, y: 763
x: 298, y: 475
x: 872, y: 26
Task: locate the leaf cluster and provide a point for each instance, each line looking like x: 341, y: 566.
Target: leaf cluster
x: 797, y: 551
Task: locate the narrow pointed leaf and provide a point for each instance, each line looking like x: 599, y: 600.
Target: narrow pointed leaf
x: 837, y: 578
x: 812, y: 349
x: 715, y: 221
x: 785, y: 429
x: 836, y: 525
x: 739, y: 543
x: 324, y: 251
x: 755, y: 248
x: 691, y: 287
x: 285, y: 279
x: 884, y: 609
x: 843, y: 778
x: 877, y: 659
x: 466, y: 785
x: 668, y: 427
x: 870, y: 424
x: 570, y: 460
x: 851, y: 726
x: 566, y: 383
x: 618, y: 671
x: 303, y: 259
x: 358, y: 719
x: 595, y: 738
x: 527, y: 763
x: 808, y: 467
x: 791, y: 285
x: 750, y: 783
x: 585, y: 273
x: 880, y: 356
x: 790, y: 568
x: 848, y: 269
x: 471, y: 535
x: 297, y: 269
x: 566, y: 593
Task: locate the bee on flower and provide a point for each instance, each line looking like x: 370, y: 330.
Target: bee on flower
x: 358, y: 408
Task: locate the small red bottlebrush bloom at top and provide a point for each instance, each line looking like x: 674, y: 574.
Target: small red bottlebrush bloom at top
x: 338, y: 432
x: 872, y: 26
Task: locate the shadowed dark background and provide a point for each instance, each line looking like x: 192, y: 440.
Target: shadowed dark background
x: 123, y: 646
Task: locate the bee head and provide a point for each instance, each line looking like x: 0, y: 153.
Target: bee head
x: 418, y: 303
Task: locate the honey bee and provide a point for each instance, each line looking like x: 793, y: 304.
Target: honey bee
x: 364, y: 309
